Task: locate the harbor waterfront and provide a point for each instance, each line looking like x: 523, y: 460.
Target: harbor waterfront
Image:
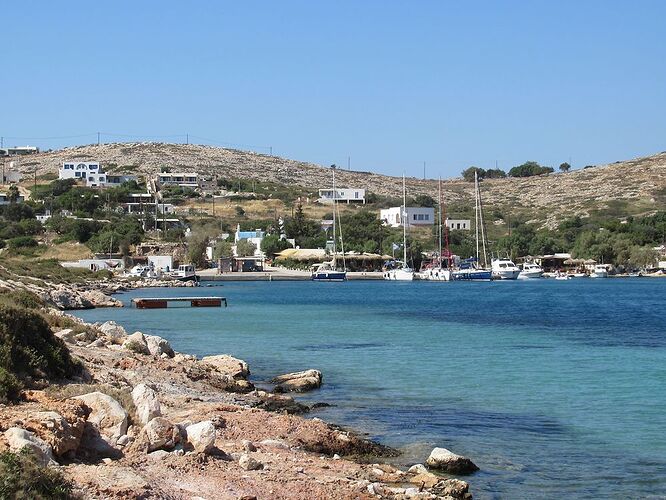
x: 551, y: 387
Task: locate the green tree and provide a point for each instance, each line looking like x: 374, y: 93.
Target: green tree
x: 272, y: 244
x: 305, y: 231
x: 196, y: 249
x: 564, y: 167
x: 468, y: 173
x: 245, y: 248
x: 529, y: 169
x: 495, y: 173
x: 423, y: 200
x: 13, y: 194
x: 222, y: 250
x: 643, y: 257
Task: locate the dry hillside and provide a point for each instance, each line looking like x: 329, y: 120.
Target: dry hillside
x: 623, y: 188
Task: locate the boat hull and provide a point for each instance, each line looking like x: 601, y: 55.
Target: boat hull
x: 329, y: 276
x: 506, y: 274
x: 399, y: 275
x: 437, y: 275
x: 525, y: 275
x: 472, y: 275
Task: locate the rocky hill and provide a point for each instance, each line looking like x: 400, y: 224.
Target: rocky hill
x: 623, y: 188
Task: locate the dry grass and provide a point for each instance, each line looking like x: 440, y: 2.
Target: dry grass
x: 67, y: 251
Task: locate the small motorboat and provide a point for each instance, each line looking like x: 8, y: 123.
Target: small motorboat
x: 530, y: 270
x: 599, y: 271
x: 504, y: 269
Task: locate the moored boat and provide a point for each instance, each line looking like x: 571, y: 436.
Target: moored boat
x: 504, y: 269
x: 185, y: 272
x: 327, y: 272
x: 599, y: 271
x: 404, y: 273
x: 531, y: 270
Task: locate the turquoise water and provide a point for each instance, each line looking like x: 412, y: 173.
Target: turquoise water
x: 552, y: 387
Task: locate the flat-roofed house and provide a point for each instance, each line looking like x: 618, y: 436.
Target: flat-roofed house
x: 349, y: 195
x: 413, y: 216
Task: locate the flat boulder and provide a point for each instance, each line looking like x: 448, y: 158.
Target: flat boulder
x: 201, y: 436
x: 107, y: 415
x: 136, y: 343
x: 298, y: 381
x: 158, y: 346
x: 100, y: 299
x: 66, y: 335
x: 447, y: 461
x: 146, y: 402
x: 113, y: 330
x: 18, y: 438
x: 228, y: 365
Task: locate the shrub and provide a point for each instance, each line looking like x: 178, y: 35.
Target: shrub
x: 10, y: 387
x: 21, y: 476
x: 22, y: 242
x: 29, y: 348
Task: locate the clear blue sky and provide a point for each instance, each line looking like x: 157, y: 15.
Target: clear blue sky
x: 389, y: 83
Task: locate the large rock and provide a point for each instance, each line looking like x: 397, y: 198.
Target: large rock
x: 445, y: 460
x: 18, y: 439
x: 161, y: 434
x: 136, y: 343
x: 158, y: 346
x: 248, y: 463
x: 299, y: 381
x: 107, y: 415
x: 113, y: 330
x: 100, y: 299
x: 201, y: 436
x: 67, y: 335
x: 64, y: 298
x: 228, y: 365
x: 146, y: 402
x: 57, y: 431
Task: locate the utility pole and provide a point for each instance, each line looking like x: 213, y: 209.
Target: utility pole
x: 98, y: 138
x: 271, y: 148
x: 349, y: 163
x: 2, y: 142
x: 187, y: 138
x: 424, y: 163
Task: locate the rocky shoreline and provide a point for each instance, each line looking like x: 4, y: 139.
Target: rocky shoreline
x: 144, y: 421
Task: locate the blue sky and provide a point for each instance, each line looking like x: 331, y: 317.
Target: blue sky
x: 390, y: 84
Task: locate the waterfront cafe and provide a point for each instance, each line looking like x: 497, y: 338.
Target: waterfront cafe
x: 354, y: 261
x: 554, y: 262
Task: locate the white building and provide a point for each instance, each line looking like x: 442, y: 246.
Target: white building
x: 87, y: 171
x: 10, y: 176
x: 179, y: 179
x: 93, y: 174
x: 4, y: 199
x: 342, y: 194
x: 462, y: 224
x: 415, y: 216
x: 19, y: 150
x: 254, y: 237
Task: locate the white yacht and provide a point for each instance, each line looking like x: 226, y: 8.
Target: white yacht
x: 504, y: 269
x: 185, y: 272
x: 399, y: 274
x: 403, y: 273
x: 531, y: 270
x: 600, y: 271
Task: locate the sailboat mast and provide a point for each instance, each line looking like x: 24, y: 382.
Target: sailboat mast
x: 405, y: 219
x: 335, y: 195
x: 476, y: 212
x: 483, y: 228
x: 440, y: 221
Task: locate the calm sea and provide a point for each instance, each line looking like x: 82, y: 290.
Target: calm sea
x: 554, y: 388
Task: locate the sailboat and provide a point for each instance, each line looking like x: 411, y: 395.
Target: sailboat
x: 439, y: 273
x: 470, y: 269
x: 327, y: 271
x: 405, y: 273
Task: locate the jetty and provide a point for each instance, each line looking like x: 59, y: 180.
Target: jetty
x: 163, y: 302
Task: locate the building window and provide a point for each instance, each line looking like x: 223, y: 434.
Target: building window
x: 464, y: 225
x: 427, y: 216
x: 458, y: 225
